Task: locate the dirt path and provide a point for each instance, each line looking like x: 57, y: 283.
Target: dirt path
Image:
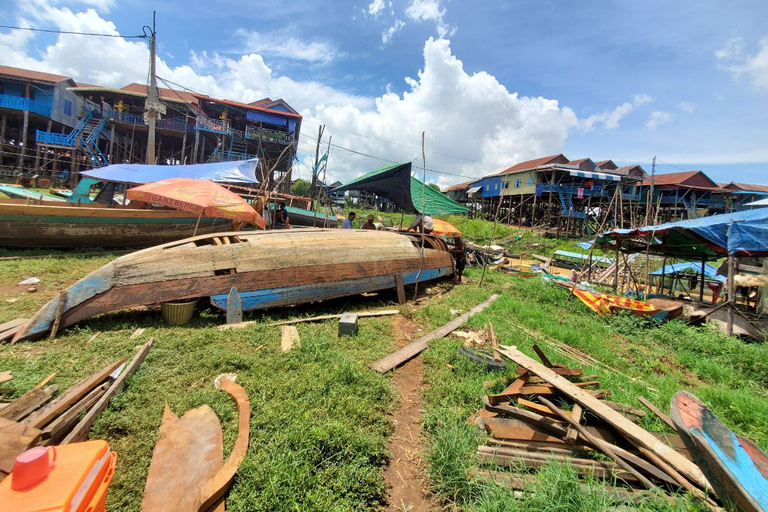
x: 407, y: 489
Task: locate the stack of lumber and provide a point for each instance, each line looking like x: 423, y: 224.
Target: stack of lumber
x: 39, y: 418
x: 551, y: 412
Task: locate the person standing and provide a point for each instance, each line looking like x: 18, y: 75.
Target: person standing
x: 459, y: 254
x: 369, y: 224
x: 422, y: 223
x: 347, y: 224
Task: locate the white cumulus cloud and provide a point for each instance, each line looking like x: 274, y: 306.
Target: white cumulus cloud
x: 285, y: 47
x: 375, y: 7
x: 389, y: 33
x: 658, y: 118
x: 738, y: 62
x: 610, y: 119
x: 429, y: 10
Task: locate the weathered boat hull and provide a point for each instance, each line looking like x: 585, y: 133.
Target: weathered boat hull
x: 262, y: 299
x: 212, y: 265
x: 63, y: 225
x: 734, y: 466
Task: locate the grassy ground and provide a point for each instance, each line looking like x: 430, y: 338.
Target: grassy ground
x: 320, y: 425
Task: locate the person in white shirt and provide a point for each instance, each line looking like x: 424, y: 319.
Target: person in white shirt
x: 347, y: 224
x: 422, y: 222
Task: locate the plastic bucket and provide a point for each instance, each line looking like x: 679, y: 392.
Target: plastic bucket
x: 179, y: 312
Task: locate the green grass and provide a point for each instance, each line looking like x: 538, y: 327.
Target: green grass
x: 320, y: 419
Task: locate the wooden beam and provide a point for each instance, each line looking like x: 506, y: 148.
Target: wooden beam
x: 63, y: 402
x: 572, y: 434
x: 234, y: 307
x: 289, y: 338
x: 80, y: 431
x: 415, y: 348
x: 363, y: 314
x: 400, y: 289
x: 28, y: 402
x: 58, y: 427
x: 655, y: 410
x: 635, y: 434
x: 15, y: 439
x: 542, y: 356
x: 511, y: 391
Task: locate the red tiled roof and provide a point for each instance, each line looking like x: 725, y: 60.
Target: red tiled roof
x: 530, y: 164
x: 35, y: 76
x: 745, y: 186
x: 680, y: 178
x: 459, y: 186
x: 260, y: 102
x: 605, y: 165
x: 169, y: 94
x: 578, y: 162
x: 84, y: 84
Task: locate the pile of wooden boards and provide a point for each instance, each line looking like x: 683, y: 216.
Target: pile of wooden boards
x: 552, y: 412
x: 38, y: 419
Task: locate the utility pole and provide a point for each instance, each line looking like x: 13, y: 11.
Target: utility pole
x: 315, y: 170
x: 152, y: 107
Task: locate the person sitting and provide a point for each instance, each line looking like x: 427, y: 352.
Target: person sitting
x: 422, y: 223
x: 281, y: 217
x: 369, y: 224
x: 347, y: 224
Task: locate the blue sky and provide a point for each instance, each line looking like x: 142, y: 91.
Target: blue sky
x: 491, y: 83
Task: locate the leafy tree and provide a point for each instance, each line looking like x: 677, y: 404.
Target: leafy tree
x: 434, y: 186
x: 300, y: 188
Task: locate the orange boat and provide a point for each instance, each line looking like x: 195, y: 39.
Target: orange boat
x: 605, y: 304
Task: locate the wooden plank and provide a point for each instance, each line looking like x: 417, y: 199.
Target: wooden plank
x: 400, y: 289
x: 565, y: 372
x: 53, y: 433
x: 15, y: 438
x: 515, y: 430
x: 59, y: 312
x: 541, y: 409
x: 494, y: 343
x: 631, y: 431
x: 9, y: 329
x: 289, y: 338
x: 6, y: 376
x: 362, y: 314
x: 546, y: 389
x: 63, y: 402
x: 215, y: 488
x: 45, y: 380
x: 80, y: 431
x: 572, y: 434
x: 28, y: 402
x: 415, y: 348
x: 138, y: 332
x: 542, y: 356
x: 535, y: 446
x: 234, y: 307
x: 655, y: 410
x: 95, y: 335
x: 510, y: 391
x: 624, y: 408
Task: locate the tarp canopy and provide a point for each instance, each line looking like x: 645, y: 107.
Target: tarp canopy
x: 687, y: 266
x: 584, y: 257
x: 243, y: 171
x: 740, y: 233
x: 760, y: 202
x: 396, y: 184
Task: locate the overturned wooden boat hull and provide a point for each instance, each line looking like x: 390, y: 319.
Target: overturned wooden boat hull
x: 735, y: 467
x: 285, y: 266
x: 67, y: 225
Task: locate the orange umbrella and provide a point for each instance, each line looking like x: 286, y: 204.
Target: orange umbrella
x: 198, y: 196
x: 444, y: 228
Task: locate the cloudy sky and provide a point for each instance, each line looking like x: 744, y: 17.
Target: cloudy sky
x: 490, y: 83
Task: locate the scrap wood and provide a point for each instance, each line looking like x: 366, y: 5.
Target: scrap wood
x: 9, y: 329
x: 572, y: 434
x: 536, y: 446
x: 539, y: 408
x: 494, y: 343
x: 289, y: 338
x: 27, y: 403
x: 81, y: 429
x: 45, y: 380
x: 565, y: 372
x: 415, y: 348
x: 635, y: 434
x: 510, y: 391
x: 655, y: 410
x: 57, y: 428
x: 138, y: 332
x: 600, y: 445
x: 542, y: 356
x: 6, y: 376
x: 628, y: 409
x: 95, y: 335
x: 15, y: 438
x: 64, y: 401
x: 57, y: 317
x: 516, y: 430
x: 362, y: 314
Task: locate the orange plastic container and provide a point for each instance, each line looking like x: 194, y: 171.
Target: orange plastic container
x: 78, y: 482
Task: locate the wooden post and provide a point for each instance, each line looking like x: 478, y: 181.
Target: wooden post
x: 3, y: 126
x: 731, y: 301
x: 400, y: 288
x: 112, y: 145
x: 701, y: 284
x: 23, y: 149
x: 234, y: 307
x: 616, y: 270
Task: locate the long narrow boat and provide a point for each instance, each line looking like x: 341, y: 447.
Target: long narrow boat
x: 274, y: 267
x: 605, y: 303
x: 67, y: 225
x: 735, y: 467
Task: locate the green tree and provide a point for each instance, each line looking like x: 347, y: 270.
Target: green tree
x: 300, y: 188
x: 434, y: 186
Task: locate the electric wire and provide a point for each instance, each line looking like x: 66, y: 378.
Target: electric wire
x: 95, y: 34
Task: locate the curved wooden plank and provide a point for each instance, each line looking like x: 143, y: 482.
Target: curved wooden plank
x: 214, y: 489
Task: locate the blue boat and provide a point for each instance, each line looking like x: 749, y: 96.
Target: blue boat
x: 736, y: 468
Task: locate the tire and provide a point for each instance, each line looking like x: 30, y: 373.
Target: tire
x: 482, y: 357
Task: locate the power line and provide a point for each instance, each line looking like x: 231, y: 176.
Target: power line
x: 49, y: 31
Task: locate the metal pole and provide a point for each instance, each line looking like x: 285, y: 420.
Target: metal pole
x: 731, y: 301
x: 701, y: 285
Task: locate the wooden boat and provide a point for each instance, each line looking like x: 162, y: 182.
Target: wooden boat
x: 268, y: 268
x: 735, y: 467
x: 604, y: 303
x: 66, y: 225
x: 299, y: 217
x: 673, y: 308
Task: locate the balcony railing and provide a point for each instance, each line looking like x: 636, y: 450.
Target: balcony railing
x: 125, y: 117
x: 172, y: 123
x: 19, y: 103
x: 225, y: 155
x: 58, y: 139
x: 254, y: 132
x: 212, y: 125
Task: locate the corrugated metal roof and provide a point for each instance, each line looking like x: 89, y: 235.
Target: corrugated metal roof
x: 530, y: 164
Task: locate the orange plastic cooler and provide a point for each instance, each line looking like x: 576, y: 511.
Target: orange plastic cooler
x: 76, y: 482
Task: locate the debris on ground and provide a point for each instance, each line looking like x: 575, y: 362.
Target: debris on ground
x: 31, y: 280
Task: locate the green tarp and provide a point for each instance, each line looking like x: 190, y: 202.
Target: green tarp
x: 395, y: 183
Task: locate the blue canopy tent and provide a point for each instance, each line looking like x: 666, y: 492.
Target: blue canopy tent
x: 688, y: 266
x: 238, y: 172
x: 735, y: 234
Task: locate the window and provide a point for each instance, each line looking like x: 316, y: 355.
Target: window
x: 518, y: 181
x: 495, y: 186
x: 67, y: 108
x: 506, y: 184
x: 487, y: 188
x: 530, y: 180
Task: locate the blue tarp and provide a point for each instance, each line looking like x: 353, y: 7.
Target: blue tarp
x: 744, y: 232
x: 243, y: 171
x: 674, y: 268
